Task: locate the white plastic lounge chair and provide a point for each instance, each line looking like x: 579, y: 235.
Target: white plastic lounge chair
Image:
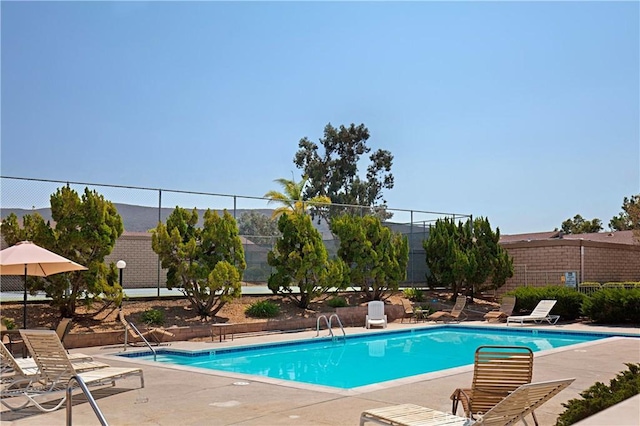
x: 508, y: 411
x: 55, y: 370
x: 375, y: 314
x: 456, y: 313
x: 539, y: 314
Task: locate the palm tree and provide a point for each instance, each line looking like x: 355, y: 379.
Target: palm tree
x: 293, y: 197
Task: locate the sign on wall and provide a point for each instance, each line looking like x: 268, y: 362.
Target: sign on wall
x: 570, y: 279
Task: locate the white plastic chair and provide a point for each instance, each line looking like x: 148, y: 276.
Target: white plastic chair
x: 375, y: 314
x: 539, y: 314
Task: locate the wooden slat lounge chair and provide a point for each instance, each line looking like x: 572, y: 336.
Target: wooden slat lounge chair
x: 540, y: 313
x: 457, y: 312
x: 508, y: 411
x: 505, y: 309
x: 55, y: 370
x: 497, y: 371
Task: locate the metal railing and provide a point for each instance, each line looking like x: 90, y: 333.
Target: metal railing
x: 339, y: 323
x: 326, y: 320
x: 590, y: 288
x: 69, y: 403
x: 146, y: 342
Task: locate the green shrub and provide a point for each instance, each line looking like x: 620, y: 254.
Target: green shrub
x: 413, y: 294
x: 337, y: 302
x: 526, y: 298
x: 599, y: 396
x: 9, y: 323
x: 153, y: 317
x: 613, y: 306
x: 568, y: 300
x: 425, y: 309
x: 263, y: 309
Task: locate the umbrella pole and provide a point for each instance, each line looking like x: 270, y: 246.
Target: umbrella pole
x: 24, y: 300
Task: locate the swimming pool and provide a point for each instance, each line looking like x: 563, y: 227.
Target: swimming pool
x: 365, y: 359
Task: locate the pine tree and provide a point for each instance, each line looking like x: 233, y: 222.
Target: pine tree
x: 206, y: 263
x: 377, y: 256
x: 300, y: 259
x: 85, y: 230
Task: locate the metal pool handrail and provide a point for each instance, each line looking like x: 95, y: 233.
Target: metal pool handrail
x: 339, y: 323
x: 143, y: 339
x: 326, y: 320
x: 90, y: 399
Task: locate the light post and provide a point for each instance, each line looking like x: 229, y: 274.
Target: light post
x: 121, y: 264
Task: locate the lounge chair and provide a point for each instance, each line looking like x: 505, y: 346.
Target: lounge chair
x: 375, y: 314
x: 153, y: 336
x: 10, y: 337
x: 409, y: 312
x: 508, y: 411
x: 539, y: 314
x: 19, y: 374
x: 55, y: 371
x: 497, y: 371
x: 456, y: 313
x: 63, y: 328
x: 505, y: 309
x: 13, y: 368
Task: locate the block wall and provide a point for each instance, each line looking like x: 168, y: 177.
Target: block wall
x: 540, y: 263
x: 142, y: 262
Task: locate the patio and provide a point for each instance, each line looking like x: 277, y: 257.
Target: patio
x: 189, y: 397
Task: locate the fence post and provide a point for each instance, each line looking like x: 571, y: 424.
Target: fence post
x: 411, y: 249
x: 159, y: 220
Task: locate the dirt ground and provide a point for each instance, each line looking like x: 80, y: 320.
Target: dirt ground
x: 178, y: 312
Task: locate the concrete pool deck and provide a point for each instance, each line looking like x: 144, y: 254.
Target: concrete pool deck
x: 192, y: 397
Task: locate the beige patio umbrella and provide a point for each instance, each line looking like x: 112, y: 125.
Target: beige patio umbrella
x: 28, y: 259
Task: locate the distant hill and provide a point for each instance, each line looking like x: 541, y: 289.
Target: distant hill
x: 142, y: 218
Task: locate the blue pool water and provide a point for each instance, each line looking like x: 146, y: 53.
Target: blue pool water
x: 361, y: 360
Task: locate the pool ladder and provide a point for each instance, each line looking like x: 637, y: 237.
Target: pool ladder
x: 328, y: 322
x: 146, y: 342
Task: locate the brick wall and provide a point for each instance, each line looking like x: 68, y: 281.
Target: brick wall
x: 543, y: 262
x: 350, y: 317
x: 142, y: 263
x: 537, y: 262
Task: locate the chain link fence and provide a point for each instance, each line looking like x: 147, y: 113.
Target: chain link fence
x: 142, y: 208
x: 539, y: 278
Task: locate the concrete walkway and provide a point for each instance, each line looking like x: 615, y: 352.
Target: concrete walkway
x: 186, y: 396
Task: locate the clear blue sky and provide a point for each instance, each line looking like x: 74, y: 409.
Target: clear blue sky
x: 527, y: 113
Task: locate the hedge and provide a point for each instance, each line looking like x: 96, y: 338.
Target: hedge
x: 600, y: 396
x: 568, y: 305
x: 613, y: 306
